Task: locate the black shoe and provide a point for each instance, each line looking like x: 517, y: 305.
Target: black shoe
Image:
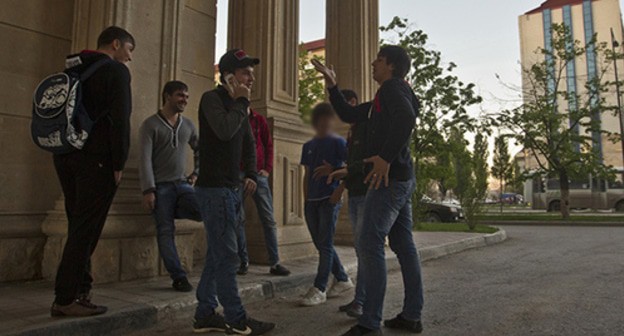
x: 355, y: 311
x: 78, y: 308
x: 399, y: 322
x: 346, y: 307
x: 214, y: 322
x: 249, y: 327
x: 243, y: 269
x: 182, y: 285
x: 359, y: 331
x: 280, y: 270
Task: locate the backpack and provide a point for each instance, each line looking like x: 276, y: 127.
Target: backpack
x: 60, y: 123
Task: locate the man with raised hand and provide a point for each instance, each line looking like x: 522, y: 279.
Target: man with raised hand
x: 390, y: 176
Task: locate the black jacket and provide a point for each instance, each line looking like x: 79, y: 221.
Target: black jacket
x: 107, y: 97
x: 225, y: 139
x: 392, y: 119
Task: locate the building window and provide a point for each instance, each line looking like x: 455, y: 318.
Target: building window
x: 588, y: 23
x: 571, y: 68
x: 547, y: 18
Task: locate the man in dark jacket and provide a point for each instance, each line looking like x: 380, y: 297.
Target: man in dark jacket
x: 263, y: 198
x: 387, y: 207
x: 225, y: 139
x: 89, y: 177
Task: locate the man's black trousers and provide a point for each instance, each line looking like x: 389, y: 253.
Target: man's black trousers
x: 88, y: 183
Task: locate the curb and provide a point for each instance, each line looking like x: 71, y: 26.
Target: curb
x: 143, y: 316
x: 554, y: 223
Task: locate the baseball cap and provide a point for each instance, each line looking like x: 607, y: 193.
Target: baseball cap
x: 236, y: 59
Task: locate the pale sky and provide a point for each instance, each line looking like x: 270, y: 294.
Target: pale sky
x: 480, y: 36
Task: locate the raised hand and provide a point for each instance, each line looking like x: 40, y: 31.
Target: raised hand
x: 328, y: 72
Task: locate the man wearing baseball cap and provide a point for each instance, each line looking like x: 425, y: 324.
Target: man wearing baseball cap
x: 225, y: 143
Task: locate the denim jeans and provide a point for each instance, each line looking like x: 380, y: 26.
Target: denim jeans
x: 356, y: 213
x: 220, y: 209
x: 388, y: 212
x: 321, y: 217
x: 264, y: 204
x: 174, y: 200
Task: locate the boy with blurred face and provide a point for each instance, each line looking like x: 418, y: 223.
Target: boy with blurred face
x: 225, y: 141
x: 322, y: 205
x: 167, y: 189
x: 89, y: 177
x: 387, y: 207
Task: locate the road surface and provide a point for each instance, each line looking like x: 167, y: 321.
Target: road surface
x: 542, y: 281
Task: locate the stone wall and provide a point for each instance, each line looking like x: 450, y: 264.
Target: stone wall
x: 35, y: 37
x: 175, y: 40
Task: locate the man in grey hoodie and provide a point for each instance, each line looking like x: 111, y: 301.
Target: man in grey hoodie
x: 167, y: 189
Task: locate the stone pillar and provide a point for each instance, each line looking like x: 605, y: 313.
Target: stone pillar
x: 268, y: 29
x: 352, y: 42
x: 127, y: 248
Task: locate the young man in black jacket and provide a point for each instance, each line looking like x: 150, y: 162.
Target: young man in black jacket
x: 89, y: 177
x: 387, y: 207
x: 225, y: 139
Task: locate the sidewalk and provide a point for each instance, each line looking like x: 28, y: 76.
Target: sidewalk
x: 24, y: 308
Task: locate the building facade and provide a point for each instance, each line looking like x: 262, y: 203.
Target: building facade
x: 584, y: 18
x: 175, y: 40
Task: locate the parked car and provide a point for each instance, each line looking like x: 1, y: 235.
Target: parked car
x: 437, y: 212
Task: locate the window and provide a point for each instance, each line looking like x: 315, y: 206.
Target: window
x: 618, y: 182
x: 579, y: 185
x: 588, y: 26
x: 553, y: 184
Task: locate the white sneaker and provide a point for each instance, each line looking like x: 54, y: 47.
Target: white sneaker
x: 339, y: 288
x: 314, y: 297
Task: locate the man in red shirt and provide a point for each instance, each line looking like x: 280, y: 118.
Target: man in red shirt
x: 263, y: 198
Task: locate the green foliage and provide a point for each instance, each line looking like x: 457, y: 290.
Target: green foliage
x: 311, y: 85
x: 501, y: 165
x: 516, y: 183
x: 445, y: 100
x: 556, y: 126
x: 455, y: 227
x: 480, y: 160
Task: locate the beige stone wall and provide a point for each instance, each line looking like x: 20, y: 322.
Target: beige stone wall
x: 35, y: 37
x: 175, y: 40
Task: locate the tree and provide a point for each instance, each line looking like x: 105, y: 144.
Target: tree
x: 480, y: 159
x: 311, y: 85
x: 468, y: 188
x: 501, y: 165
x: 444, y: 99
x: 516, y: 183
x: 559, y: 126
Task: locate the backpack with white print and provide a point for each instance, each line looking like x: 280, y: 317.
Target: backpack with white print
x: 60, y: 122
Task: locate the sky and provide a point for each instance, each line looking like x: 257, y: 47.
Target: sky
x: 480, y: 36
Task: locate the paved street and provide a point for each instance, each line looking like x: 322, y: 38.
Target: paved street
x: 542, y: 281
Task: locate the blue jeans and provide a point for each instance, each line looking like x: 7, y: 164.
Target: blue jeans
x: 321, y: 217
x: 388, y: 212
x: 220, y: 209
x: 174, y: 200
x: 356, y: 212
x: 264, y: 204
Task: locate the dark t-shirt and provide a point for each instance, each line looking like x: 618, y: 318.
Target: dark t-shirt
x: 355, y: 160
x: 332, y: 149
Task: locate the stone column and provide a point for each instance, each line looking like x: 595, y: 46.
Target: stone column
x: 352, y: 42
x: 268, y: 29
x: 127, y: 248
